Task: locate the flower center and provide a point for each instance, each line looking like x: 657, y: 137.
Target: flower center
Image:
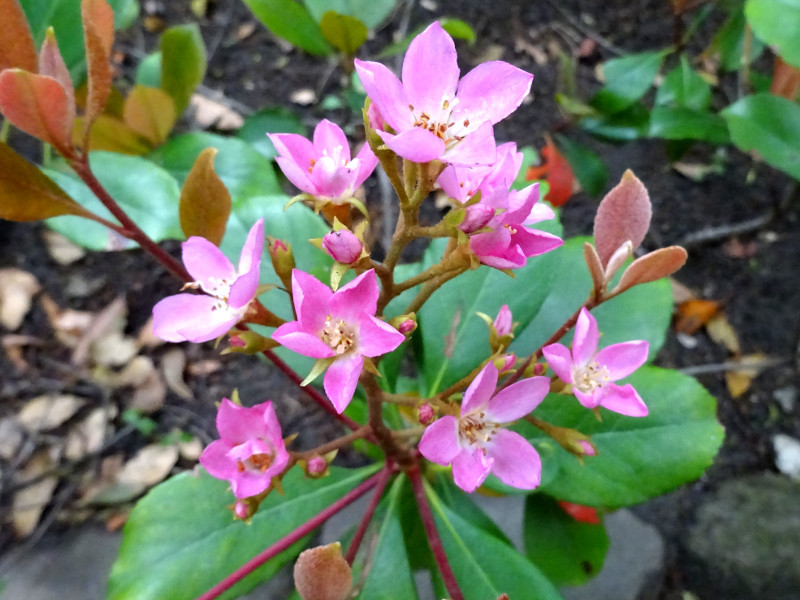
x: 591, y: 377
x: 438, y: 121
x: 256, y: 462
x: 339, y: 335
x: 475, y: 430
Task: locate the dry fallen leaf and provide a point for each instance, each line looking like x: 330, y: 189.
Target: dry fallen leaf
x: 69, y: 325
x: 105, y: 324
x: 114, y: 349
x: 17, y: 288
x: 61, y: 249
x: 191, y: 449
x: 149, y: 395
x: 49, y: 411
x: 721, y: 331
x: 303, y: 97
x: 31, y: 500
x: 210, y: 113
x: 150, y: 466
x: 13, y: 345
x: 173, y: 364
x: 694, y: 314
x: 11, y: 436
x: 87, y: 437
x: 739, y: 380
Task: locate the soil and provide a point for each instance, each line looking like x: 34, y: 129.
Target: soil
x: 759, y: 287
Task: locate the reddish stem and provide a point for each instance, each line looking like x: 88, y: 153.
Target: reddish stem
x: 292, y: 537
x: 434, y: 540
x: 367, y: 519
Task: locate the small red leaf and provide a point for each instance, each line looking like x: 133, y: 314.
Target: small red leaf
x: 624, y: 214
x: 579, y: 512
x: 785, y: 80
x: 51, y: 64
x: 17, y: 50
x: 556, y: 171
x: 650, y: 267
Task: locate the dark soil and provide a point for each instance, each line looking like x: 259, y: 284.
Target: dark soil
x: 760, y: 291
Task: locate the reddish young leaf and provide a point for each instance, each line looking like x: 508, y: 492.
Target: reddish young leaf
x: 556, y: 171
x: 624, y: 214
x: 594, y: 265
x: 205, y: 201
x: 650, y: 267
x: 98, y: 31
x: 51, y: 64
x: 17, y: 50
x: 579, y: 512
x: 27, y: 194
x: 150, y: 112
x: 37, y: 105
x: 785, y: 80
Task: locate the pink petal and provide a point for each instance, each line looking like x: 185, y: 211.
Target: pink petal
x: 477, y: 148
x: 471, y: 469
x: 215, y: 460
x: 559, y: 358
x: 452, y: 182
x: 623, y: 359
x: 297, y: 175
x: 623, y: 399
x: 295, y: 156
x: 386, y: 92
x: 273, y: 427
x: 491, y: 91
x: 190, y: 317
x: 516, y: 462
x: 247, y: 483
x: 244, y: 289
x: 357, y: 297
x: 329, y: 136
x: 311, y: 300
x: 331, y: 179
x: 292, y: 336
x: 591, y: 400
x: 517, y: 400
x: 584, y: 343
x: 439, y: 442
x: 237, y: 424
x: 341, y: 380
x: 490, y: 243
x: 480, y: 390
x: 533, y: 242
x: 430, y: 69
x: 415, y: 144
x: 376, y: 337
x: 250, y: 257
x: 539, y: 212
x: 367, y: 163
x: 205, y: 261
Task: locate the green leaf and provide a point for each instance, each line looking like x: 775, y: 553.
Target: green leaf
x: 148, y: 73
x: 626, y: 80
x: 454, y: 338
x: 684, y: 87
x: 183, y: 537
x: 389, y: 573
x: 567, y: 551
x: 276, y: 119
x: 729, y: 41
x: 146, y: 192
x: 637, y: 458
x: 629, y: 124
x: 587, y: 166
x: 485, y: 566
x: 678, y: 123
x: 771, y: 126
x: 777, y: 22
x: 460, y: 30
x: 345, y: 33
x: 370, y: 12
x: 291, y: 21
x: 183, y: 63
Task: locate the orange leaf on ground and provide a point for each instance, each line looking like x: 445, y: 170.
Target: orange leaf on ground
x: 556, y: 171
x: 150, y: 112
x: 17, y: 50
x: 694, y: 314
x: 205, y: 201
x: 98, y: 32
x: 785, y: 80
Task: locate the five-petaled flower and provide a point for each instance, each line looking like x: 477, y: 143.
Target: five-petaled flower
x: 228, y: 290
x: 339, y: 326
x: 432, y: 113
x: 476, y: 443
x: 250, y: 451
x: 323, y: 167
x: 592, y: 373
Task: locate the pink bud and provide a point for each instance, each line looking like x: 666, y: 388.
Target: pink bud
x: 587, y: 447
x: 277, y: 246
x: 237, y: 341
x: 317, y: 466
x: 505, y: 362
x: 343, y: 246
x: 407, y: 326
x: 502, y: 322
x: 538, y: 369
x: 426, y: 414
x: 241, y: 510
x: 478, y: 215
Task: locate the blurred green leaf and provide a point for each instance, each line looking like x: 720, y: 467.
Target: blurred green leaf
x: 275, y: 119
x: 729, y: 41
x: 684, y: 87
x: 677, y: 123
x: 627, y: 125
x: 627, y: 79
x: 291, y: 21
x: 587, y: 166
x: 343, y: 32
x: 461, y: 30
x: 149, y: 70
x: 771, y: 126
x: 183, y: 63
x: 370, y: 12
x: 777, y: 22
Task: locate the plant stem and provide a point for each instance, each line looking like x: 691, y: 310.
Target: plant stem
x: 434, y: 540
x: 361, y: 531
x: 289, y: 539
x: 385, y: 438
x: 339, y: 442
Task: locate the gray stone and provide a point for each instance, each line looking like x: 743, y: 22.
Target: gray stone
x: 746, y: 540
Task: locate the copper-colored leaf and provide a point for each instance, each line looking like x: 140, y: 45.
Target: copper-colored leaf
x: 98, y: 32
x: 205, y: 201
x: 556, y: 171
x: 650, y: 267
x: 624, y: 214
x: 109, y: 133
x: 37, y: 105
x: 17, y: 50
x: 594, y: 265
x: 785, y: 80
x: 27, y: 194
x: 694, y: 314
x: 150, y: 112
x: 51, y: 64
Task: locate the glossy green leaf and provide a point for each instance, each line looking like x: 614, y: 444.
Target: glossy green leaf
x: 291, y: 21
x: 769, y: 125
x: 677, y: 123
x: 389, y: 574
x: 458, y: 29
x: 629, y: 124
x: 637, y: 458
x: 626, y: 80
x: 567, y: 551
x: 684, y: 87
x: 148, y: 72
x: 183, y: 526
x: 370, y: 12
x: 146, y: 192
x: 729, y: 41
x: 183, y: 63
x: 586, y: 164
x: 277, y: 119
x: 485, y: 566
x: 777, y: 22
x: 343, y: 32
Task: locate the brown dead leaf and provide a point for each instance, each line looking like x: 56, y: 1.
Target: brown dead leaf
x: 114, y: 349
x: 490, y: 53
x: 146, y: 338
x: 47, y: 412
x: 694, y: 314
x: 110, y: 320
x: 61, y: 249
x: 739, y: 380
x: 723, y: 334
x: 680, y: 293
x: 191, y: 449
x: 13, y: 345
x: 210, y: 113
x: 150, y: 466
x: 244, y: 31
x: 87, y: 437
x: 69, y: 325
x: 135, y: 372
x: 11, y: 436
x: 149, y: 396
x: 17, y: 288
x: 173, y: 364
x: 201, y: 368
x: 31, y: 500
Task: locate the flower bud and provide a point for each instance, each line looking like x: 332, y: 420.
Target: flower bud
x: 478, y: 215
x: 343, y: 246
x: 425, y: 414
x: 539, y: 369
x: 317, y: 466
x: 502, y: 322
x: 505, y: 362
x: 375, y: 118
x: 587, y: 447
x: 282, y: 259
x: 241, y: 510
x: 322, y: 573
x: 405, y: 324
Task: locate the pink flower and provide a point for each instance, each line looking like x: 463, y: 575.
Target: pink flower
x: 591, y: 373
x: 251, y: 450
x: 477, y: 444
x: 343, y: 245
x: 433, y: 114
x: 323, y: 168
x: 340, y: 326
x: 229, y: 291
